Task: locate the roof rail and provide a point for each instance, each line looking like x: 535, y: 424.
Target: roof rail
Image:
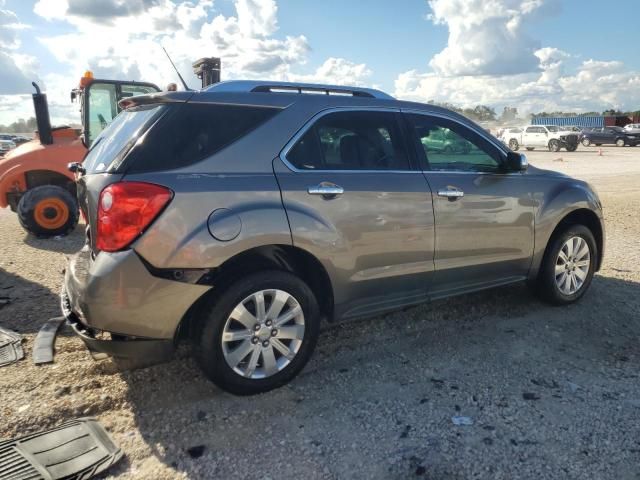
x: 288, y: 87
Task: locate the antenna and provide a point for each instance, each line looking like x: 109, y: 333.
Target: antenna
x: 184, y: 84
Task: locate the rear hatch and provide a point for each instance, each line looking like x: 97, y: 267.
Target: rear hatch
x: 155, y: 137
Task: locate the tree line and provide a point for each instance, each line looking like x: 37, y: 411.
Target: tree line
x: 21, y: 126
x: 484, y: 113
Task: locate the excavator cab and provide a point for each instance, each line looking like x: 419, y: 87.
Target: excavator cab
x: 99, y: 101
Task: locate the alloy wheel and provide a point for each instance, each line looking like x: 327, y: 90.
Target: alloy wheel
x: 263, y: 334
x: 572, y: 265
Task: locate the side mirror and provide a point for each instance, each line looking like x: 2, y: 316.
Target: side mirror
x: 517, y: 162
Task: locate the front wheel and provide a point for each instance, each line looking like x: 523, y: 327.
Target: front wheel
x: 568, y: 266
x: 572, y: 148
x: 48, y: 211
x: 513, y: 145
x: 259, y: 333
x: 529, y: 149
x: 620, y: 142
x: 554, y: 146
x: 586, y: 142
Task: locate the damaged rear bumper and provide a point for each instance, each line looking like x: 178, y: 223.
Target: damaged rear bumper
x: 119, y: 309
x: 101, y: 347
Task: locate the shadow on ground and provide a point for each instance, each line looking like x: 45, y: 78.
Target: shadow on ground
x: 68, y: 244
x: 378, y: 396
x: 25, y: 305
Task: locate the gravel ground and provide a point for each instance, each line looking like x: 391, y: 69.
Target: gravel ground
x: 549, y: 392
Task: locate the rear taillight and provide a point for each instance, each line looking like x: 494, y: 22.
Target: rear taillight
x: 125, y: 210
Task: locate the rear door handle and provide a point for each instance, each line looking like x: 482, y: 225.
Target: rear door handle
x: 326, y: 190
x: 451, y: 193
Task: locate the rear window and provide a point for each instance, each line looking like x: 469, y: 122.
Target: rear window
x: 192, y: 132
x: 113, y: 143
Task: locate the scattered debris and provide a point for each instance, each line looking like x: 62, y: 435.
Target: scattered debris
x: 543, y: 382
x: 78, y: 449
x: 574, y: 387
x: 45, y: 341
x: 10, y: 347
x: 530, y: 396
x: 196, y: 452
x: 559, y: 159
x: 457, y: 420
x: 405, y: 431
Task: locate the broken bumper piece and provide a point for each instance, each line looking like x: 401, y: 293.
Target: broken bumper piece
x: 144, y: 349
x: 77, y: 449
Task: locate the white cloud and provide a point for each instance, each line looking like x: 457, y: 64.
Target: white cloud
x: 486, y: 37
x: 17, y: 71
x: 491, y: 60
x: 121, y: 40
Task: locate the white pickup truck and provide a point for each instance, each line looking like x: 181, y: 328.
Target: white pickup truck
x: 540, y: 136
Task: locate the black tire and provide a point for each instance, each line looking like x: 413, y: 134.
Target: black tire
x: 210, y: 353
x: 554, y: 146
x: 586, y: 142
x: 514, y: 145
x: 546, y: 285
x: 598, y: 144
x: 620, y: 142
x: 529, y: 149
x: 36, y: 205
x: 572, y: 148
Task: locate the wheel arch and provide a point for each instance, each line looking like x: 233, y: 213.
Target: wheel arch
x: 266, y: 257
x: 579, y: 216
x: 37, y: 178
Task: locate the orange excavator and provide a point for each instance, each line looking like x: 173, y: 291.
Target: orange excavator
x: 34, y: 179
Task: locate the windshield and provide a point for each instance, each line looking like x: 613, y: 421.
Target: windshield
x: 114, y: 142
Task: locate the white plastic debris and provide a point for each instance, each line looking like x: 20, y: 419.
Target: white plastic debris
x: 462, y: 420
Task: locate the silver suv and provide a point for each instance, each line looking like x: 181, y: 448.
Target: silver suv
x: 241, y: 215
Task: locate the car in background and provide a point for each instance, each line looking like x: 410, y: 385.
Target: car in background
x: 19, y: 139
x: 6, y: 145
x: 609, y: 136
x: 536, y: 136
x: 632, y: 128
x: 445, y: 141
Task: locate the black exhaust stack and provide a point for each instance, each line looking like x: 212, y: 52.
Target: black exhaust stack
x: 207, y: 70
x: 42, y: 115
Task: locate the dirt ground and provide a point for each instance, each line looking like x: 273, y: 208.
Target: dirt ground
x: 550, y: 392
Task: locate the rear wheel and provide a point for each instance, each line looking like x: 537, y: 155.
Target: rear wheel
x: 568, y: 266
x: 572, y: 148
x: 513, y: 145
x: 554, y: 146
x: 586, y: 142
x: 530, y: 148
x: 47, y: 211
x: 620, y: 142
x: 259, y: 333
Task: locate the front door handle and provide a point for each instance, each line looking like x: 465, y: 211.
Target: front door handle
x: 326, y: 190
x: 452, y: 194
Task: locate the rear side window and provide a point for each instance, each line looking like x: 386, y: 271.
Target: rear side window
x: 193, y: 132
x: 352, y: 140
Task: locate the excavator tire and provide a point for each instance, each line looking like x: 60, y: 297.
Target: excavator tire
x: 48, y: 211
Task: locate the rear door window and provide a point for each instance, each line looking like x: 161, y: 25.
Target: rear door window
x: 353, y: 140
x: 192, y: 132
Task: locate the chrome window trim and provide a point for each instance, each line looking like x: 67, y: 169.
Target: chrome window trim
x: 309, y: 124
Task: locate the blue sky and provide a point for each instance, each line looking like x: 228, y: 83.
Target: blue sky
x: 532, y: 54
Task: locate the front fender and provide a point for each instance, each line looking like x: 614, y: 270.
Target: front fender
x: 559, y: 199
